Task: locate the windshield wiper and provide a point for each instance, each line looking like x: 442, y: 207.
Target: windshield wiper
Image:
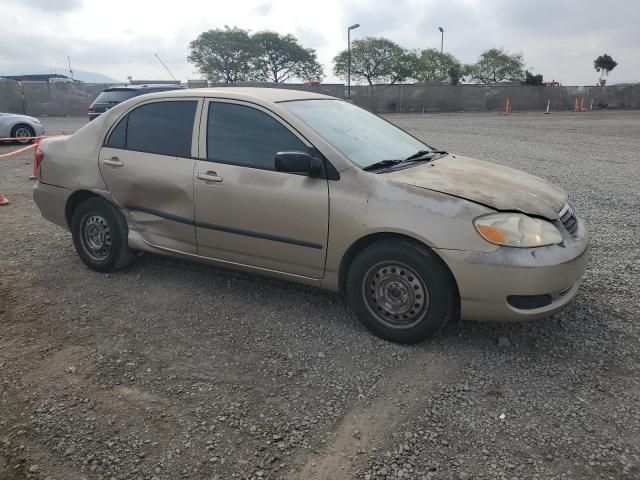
x: 382, y: 164
x: 420, y: 155
x: 424, y: 154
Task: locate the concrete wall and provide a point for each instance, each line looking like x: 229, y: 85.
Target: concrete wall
x: 72, y: 99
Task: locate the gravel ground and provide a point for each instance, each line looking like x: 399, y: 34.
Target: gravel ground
x: 171, y: 370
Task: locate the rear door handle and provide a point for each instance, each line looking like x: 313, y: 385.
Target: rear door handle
x: 112, y: 162
x: 209, y: 177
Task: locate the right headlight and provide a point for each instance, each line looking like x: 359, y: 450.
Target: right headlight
x: 517, y: 230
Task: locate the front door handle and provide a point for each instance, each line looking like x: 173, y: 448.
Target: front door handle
x: 112, y: 162
x: 209, y: 177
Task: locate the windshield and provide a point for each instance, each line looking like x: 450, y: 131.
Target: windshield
x: 362, y: 137
x: 115, y: 96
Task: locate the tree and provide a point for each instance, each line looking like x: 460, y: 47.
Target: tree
x: 433, y: 66
x: 281, y: 57
x: 604, y: 63
x: 224, y: 55
x: 531, y: 79
x: 456, y: 73
x: 376, y: 60
x: 496, y: 65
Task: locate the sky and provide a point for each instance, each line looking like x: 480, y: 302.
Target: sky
x: 118, y: 38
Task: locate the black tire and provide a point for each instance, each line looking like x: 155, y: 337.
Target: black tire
x: 401, y: 291
x: 23, y: 130
x: 100, y: 235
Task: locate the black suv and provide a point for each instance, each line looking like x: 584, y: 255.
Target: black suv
x: 112, y: 96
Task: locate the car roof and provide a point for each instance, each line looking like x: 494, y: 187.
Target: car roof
x: 247, y: 93
x: 143, y: 87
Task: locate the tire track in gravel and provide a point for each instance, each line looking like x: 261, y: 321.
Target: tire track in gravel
x: 367, y: 424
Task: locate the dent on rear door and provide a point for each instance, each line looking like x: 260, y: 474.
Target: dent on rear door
x: 157, y: 192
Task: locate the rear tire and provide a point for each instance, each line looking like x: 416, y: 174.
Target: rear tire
x: 100, y: 235
x: 401, y: 291
x: 22, y: 130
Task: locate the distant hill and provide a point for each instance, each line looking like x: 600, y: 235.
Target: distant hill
x: 89, y: 77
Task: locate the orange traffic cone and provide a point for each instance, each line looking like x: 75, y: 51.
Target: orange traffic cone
x: 507, y: 106
x: 3, y: 200
x: 576, y: 107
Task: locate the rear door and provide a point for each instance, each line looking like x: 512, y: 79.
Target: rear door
x: 245, y: 211
x: 147, y: 164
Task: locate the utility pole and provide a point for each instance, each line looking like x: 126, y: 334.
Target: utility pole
x: 70, y: 71
x: 441, y: 39
x: 352, y: 27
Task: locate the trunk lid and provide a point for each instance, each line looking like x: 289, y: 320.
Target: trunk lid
x: 489, y: 184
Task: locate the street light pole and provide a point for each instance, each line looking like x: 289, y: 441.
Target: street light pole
x: 354, y: 26
x: 441, y: 39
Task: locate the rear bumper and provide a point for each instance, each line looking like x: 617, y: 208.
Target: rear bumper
x: 519, y: 284
x: 52, y: 201
x: 93, y: 116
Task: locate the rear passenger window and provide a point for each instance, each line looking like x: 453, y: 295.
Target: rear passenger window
x: 245, y: 136
x: 164, y: 128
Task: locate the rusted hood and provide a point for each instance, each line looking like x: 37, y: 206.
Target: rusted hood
x: 493, y: 185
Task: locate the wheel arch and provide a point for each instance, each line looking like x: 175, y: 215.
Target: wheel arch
x: 359, y: 245
x: 74, y: 200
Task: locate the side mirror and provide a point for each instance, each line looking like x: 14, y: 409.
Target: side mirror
x: 298, y: 162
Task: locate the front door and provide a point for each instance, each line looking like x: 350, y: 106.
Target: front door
x: 147, y: 164
x: 246, y: 212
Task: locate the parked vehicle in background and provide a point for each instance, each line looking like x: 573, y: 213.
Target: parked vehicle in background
x: 315, y: 190
x: 15, y: 126
x: 112, y: 96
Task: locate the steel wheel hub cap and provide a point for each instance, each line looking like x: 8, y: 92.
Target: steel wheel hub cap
x: 96, y: 237
x: 395, y: 295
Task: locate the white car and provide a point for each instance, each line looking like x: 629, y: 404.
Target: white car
x: 13, y: 125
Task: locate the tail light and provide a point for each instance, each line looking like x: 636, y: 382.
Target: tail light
x: 39, y: 156
x: 91, y: 109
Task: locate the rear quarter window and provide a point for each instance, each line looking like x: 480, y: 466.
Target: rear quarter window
x: 115, y: 96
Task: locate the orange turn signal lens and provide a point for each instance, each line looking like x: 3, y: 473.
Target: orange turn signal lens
x: 492, y: 234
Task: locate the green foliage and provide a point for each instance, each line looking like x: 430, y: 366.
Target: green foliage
x: 224, y: 55
x: 281, y: 57
x: 496, y: 65
x: 531, y: 79
x: 233, y: 55
x: 435, y: 67
x: 456, y: 73
x: 376, y: 60
x: 604, y: 64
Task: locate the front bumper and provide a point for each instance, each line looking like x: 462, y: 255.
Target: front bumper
x: 39, y: 129
x: 489, y: 282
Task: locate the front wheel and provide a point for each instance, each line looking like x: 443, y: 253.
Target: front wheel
x: 100, y: 235
x: 401, y: 291
x: 23, y: 131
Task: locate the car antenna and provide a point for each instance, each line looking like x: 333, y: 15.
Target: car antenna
x: 166, y: 68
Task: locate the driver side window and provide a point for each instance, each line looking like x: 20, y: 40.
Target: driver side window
x: 245, y: 136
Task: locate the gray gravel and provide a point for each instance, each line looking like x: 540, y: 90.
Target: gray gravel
x: 170, y: 370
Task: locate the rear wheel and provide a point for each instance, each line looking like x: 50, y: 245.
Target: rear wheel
x: 100, y: 235
x: 23, y: 130
x: 402, y: 291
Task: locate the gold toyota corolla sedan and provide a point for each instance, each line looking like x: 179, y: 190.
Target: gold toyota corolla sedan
x: 315, y: 190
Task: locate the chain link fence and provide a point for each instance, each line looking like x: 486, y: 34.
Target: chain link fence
x: 72, y: 99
